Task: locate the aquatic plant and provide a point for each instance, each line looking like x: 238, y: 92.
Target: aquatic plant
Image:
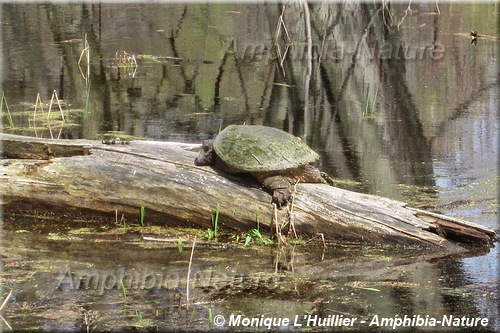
x: 124, y: 291
x: 211, y: 234
x: 9, y: 116
x: 256, y: 234
x: 192, y: 316
x: 143, y: 212
x: 248, y: 239
x: 367, y: 112
x: 374, y: 101
x: 87, y: 98
x: 210, y: 318
x: 215, y: 221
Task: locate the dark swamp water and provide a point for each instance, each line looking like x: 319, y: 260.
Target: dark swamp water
x: 397, y: 100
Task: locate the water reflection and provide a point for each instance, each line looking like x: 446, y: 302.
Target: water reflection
x: 399, y: 101
x: 127, y: 283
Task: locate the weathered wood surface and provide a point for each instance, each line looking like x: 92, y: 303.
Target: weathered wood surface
x: 80, y: 177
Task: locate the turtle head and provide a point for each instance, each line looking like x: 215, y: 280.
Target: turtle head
x: 207, y: 154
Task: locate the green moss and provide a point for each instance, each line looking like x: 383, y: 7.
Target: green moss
x: 55, y: 236
x: 80, y: 231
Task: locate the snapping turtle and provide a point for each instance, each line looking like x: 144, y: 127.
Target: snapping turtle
x: 276, y: 158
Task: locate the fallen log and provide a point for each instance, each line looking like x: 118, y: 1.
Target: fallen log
x: 81, y: 177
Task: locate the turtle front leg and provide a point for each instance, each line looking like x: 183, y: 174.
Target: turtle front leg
x: 280, y: 188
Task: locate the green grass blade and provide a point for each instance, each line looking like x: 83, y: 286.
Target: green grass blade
x: 210, y: 318
x: 248, y: 239
x: 124, y: 291
x: 142, y: 215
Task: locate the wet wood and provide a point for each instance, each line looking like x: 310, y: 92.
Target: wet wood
x: 87, y: 178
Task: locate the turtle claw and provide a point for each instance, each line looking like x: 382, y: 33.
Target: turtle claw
x: 281, y: 197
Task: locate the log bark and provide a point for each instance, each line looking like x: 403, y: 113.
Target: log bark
x: 81, y: 177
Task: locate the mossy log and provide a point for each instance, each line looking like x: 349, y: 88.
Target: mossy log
x: 81, y: 177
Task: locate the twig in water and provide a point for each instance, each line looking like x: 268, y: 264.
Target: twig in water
x: 189, y: 274
x: 6, y: 323
x: 38, y: 101
x: 89, y: 319
x: 323, y: 239
x: 125, y: 59
x: 408, y: 9
x: 87, y: 98
x: 54, y: 95
x: 11, y: 123
x: 275, y: 221
x: 279, y: 227
x: 322, y: 236
x: 281, y: 23
x: 309, y: 59
x: 85, y: 51
x: 2, y: 306
x: 284, y: 25
x: 5, y: 300
x: 216, y: 221
x: 290, y: 212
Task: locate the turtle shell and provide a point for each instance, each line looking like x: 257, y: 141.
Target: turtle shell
x: 253, y: 148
